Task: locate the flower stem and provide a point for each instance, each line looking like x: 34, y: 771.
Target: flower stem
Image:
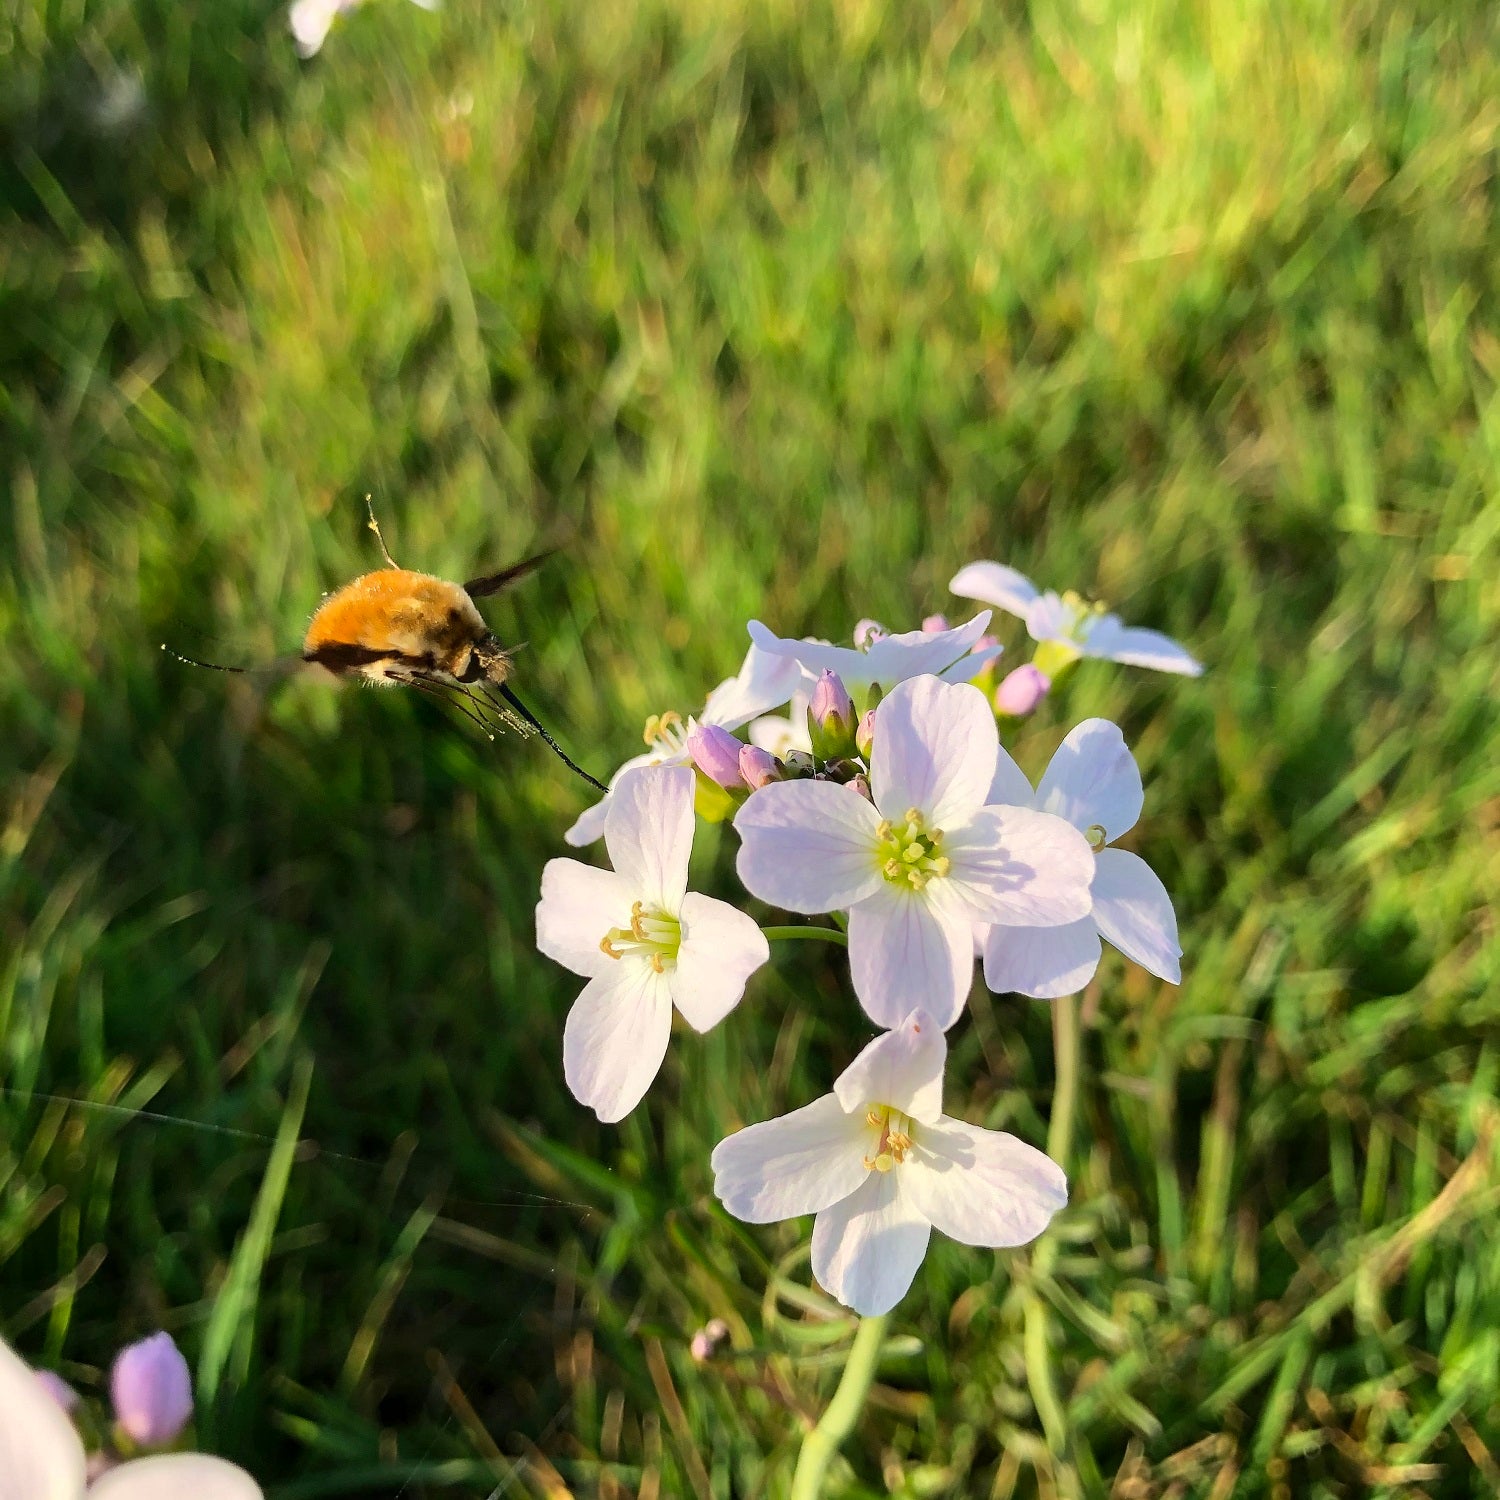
x: 827, y: 934
x: 820, y: 1445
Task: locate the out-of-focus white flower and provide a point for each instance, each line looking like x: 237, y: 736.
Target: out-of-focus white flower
x: 42, y: 1458
x: 764, y: 681
x: 881, y: 1166
x: 1094, y: 783
x: 1073, y: 627
x: 885, y: 658
x: 311, y: 20
x: 644, y: 942
x: 923, y: 865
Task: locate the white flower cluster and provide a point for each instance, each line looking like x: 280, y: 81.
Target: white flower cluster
x: 913, y: 825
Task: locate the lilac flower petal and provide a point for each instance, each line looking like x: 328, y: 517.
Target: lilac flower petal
x: 649, y: 833
x: 1011, y: 785
x: 796, y: 1164
x: 41, y: 1457
x: 1045, y: 963
x: 1048, y: 618
x: 1134, y: 912
x: 994, y: 583
x: 935, y: 750
x: 616, y: 1036
x: 721, y: 948
x: 808, y: 846
x: 1093, y: 779
x: 1012, y: 864
x: 967, y: 668
x: 902, y: 1068
x: 176, y: 1476
x: 1108, y: 639
x: 579, y: 905
x: 982, y: 1187
x: 589, y: 826
x: 764, y: 682
x: 867, y: 1248
x: 910, y: 947
x: 890, y: 659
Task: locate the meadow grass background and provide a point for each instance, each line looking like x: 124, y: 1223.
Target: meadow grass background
x: 787, y: 311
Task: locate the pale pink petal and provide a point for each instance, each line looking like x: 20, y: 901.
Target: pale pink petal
x: 41, y: 1457
x: 579, y: 905
x: 1134, y: 912
x: 994, y: 583
x: 175, y: 1476
x: 866, y: 1249
x: 1049, y: 619
x: 808, y: 846
x: 721, y: 948
x: 1109, y: 639
x: 909, y: 948
x: 588, y: 828
x: 981, y: 1187
x: 1011, y: 785
x: 903, y: 1068
x: 795, y: 1164
x: 918, y: 653
x: 935, y: 750
x: 1011, y: 864
x: 967, y: 668
x: 616, y: 1036
x: 1092, y: 779
x: 649, y: 833
x: 1045, y: 963
x: 765, y: 681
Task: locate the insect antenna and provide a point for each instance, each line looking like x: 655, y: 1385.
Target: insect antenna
x: 531, y: 719
x: 385, y: 551
x: 212, y: 666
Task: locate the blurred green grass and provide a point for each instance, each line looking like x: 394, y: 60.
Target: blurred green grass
x: 776, y: 311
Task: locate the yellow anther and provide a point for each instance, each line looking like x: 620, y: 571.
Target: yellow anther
x: 874, y: 1117
x: 658, y: 963
x: 892, y: 868
x: 608, y: 948
x: 914, y: 816
x: 884, y: 828
x: 941, y: 865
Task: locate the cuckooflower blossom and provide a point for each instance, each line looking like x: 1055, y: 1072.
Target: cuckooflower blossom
x: 311, y: 20
x: 764, y: 681
x: 881, y: 1166
x: 1094, y: 783
x: 42, y: 1457
x: 888, y: 659
x: 643, y: 941
x: 1071, y: 626
x: 924, y: 861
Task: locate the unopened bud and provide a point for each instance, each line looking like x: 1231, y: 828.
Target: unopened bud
x: 799, y: 763
x: 152, y: 1391
x: 759, y: 767
x: 864, y: 736
x: 830, y: 718
x: 1021, y: 691
x: 716, y: 753
x: 867, y: 632
x: 935, y: 623
x: 861, y: 785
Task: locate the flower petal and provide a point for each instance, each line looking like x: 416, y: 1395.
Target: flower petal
x: 994, y: 583
x: 1045, y: 963
x: 903, y: 1068
x: 891, y: 659
x: 1048, y: 618
x: 1108, y: 639
x: 1134, y: 912
x: 911, y: 947
x: 41, y: 1457
x: 808, y: 846
x: 982, y: 1187
x: 649, y: 833
x: 579, y: 905
x: 588, y: 828
x: 967, y: 668
x: 1011, y: 786
x: 866, y: 1249
x: 1012, y: 864
x: 175, y: 1476
x: 795, y: 1164
x: 616, y: 1036
x: 721, y: 948
x: 765, y: 681
x: 1092, y: 779
x: 935, y: 750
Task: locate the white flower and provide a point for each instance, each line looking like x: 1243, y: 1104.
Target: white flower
x: 923, y: 863
x: 311, y: 20
x: 881, y: 1166
x: 763, y: 682
x: 1080, y: 629
x: 889, y: 659
x: 42, y: 1458
x: 643, y: 941
x: 1094, y: 783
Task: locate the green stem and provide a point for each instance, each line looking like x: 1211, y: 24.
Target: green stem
x: 820, y: 1445
x: 827, y: 934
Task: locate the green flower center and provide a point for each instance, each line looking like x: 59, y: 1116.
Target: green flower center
x: 653, y: 934
x: 893, y: 1137
x: 1097, y: 835
x: 1081, y: 616
x: 909, y: 853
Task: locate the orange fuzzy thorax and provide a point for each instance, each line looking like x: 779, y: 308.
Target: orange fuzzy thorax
x: 397, y: 613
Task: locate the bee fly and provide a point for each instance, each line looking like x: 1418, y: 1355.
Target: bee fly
x: 394, y: 626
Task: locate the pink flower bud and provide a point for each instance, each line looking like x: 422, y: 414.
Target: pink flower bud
x: 716, y: 753
x: 830, y: 697
x: 861, y: 785
x: 935, y: 623
x: 984, y: 643
x: 759, y: 767
x: 864, y: 736
x: 152, y: 1391
x: 867, y: 632
x: 58, y: 1388
x: 1021, y: 691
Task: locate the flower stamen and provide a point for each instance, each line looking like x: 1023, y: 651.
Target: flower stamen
x: 894, y: 1144
x: 909, y: 853
x: 653, y: 934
